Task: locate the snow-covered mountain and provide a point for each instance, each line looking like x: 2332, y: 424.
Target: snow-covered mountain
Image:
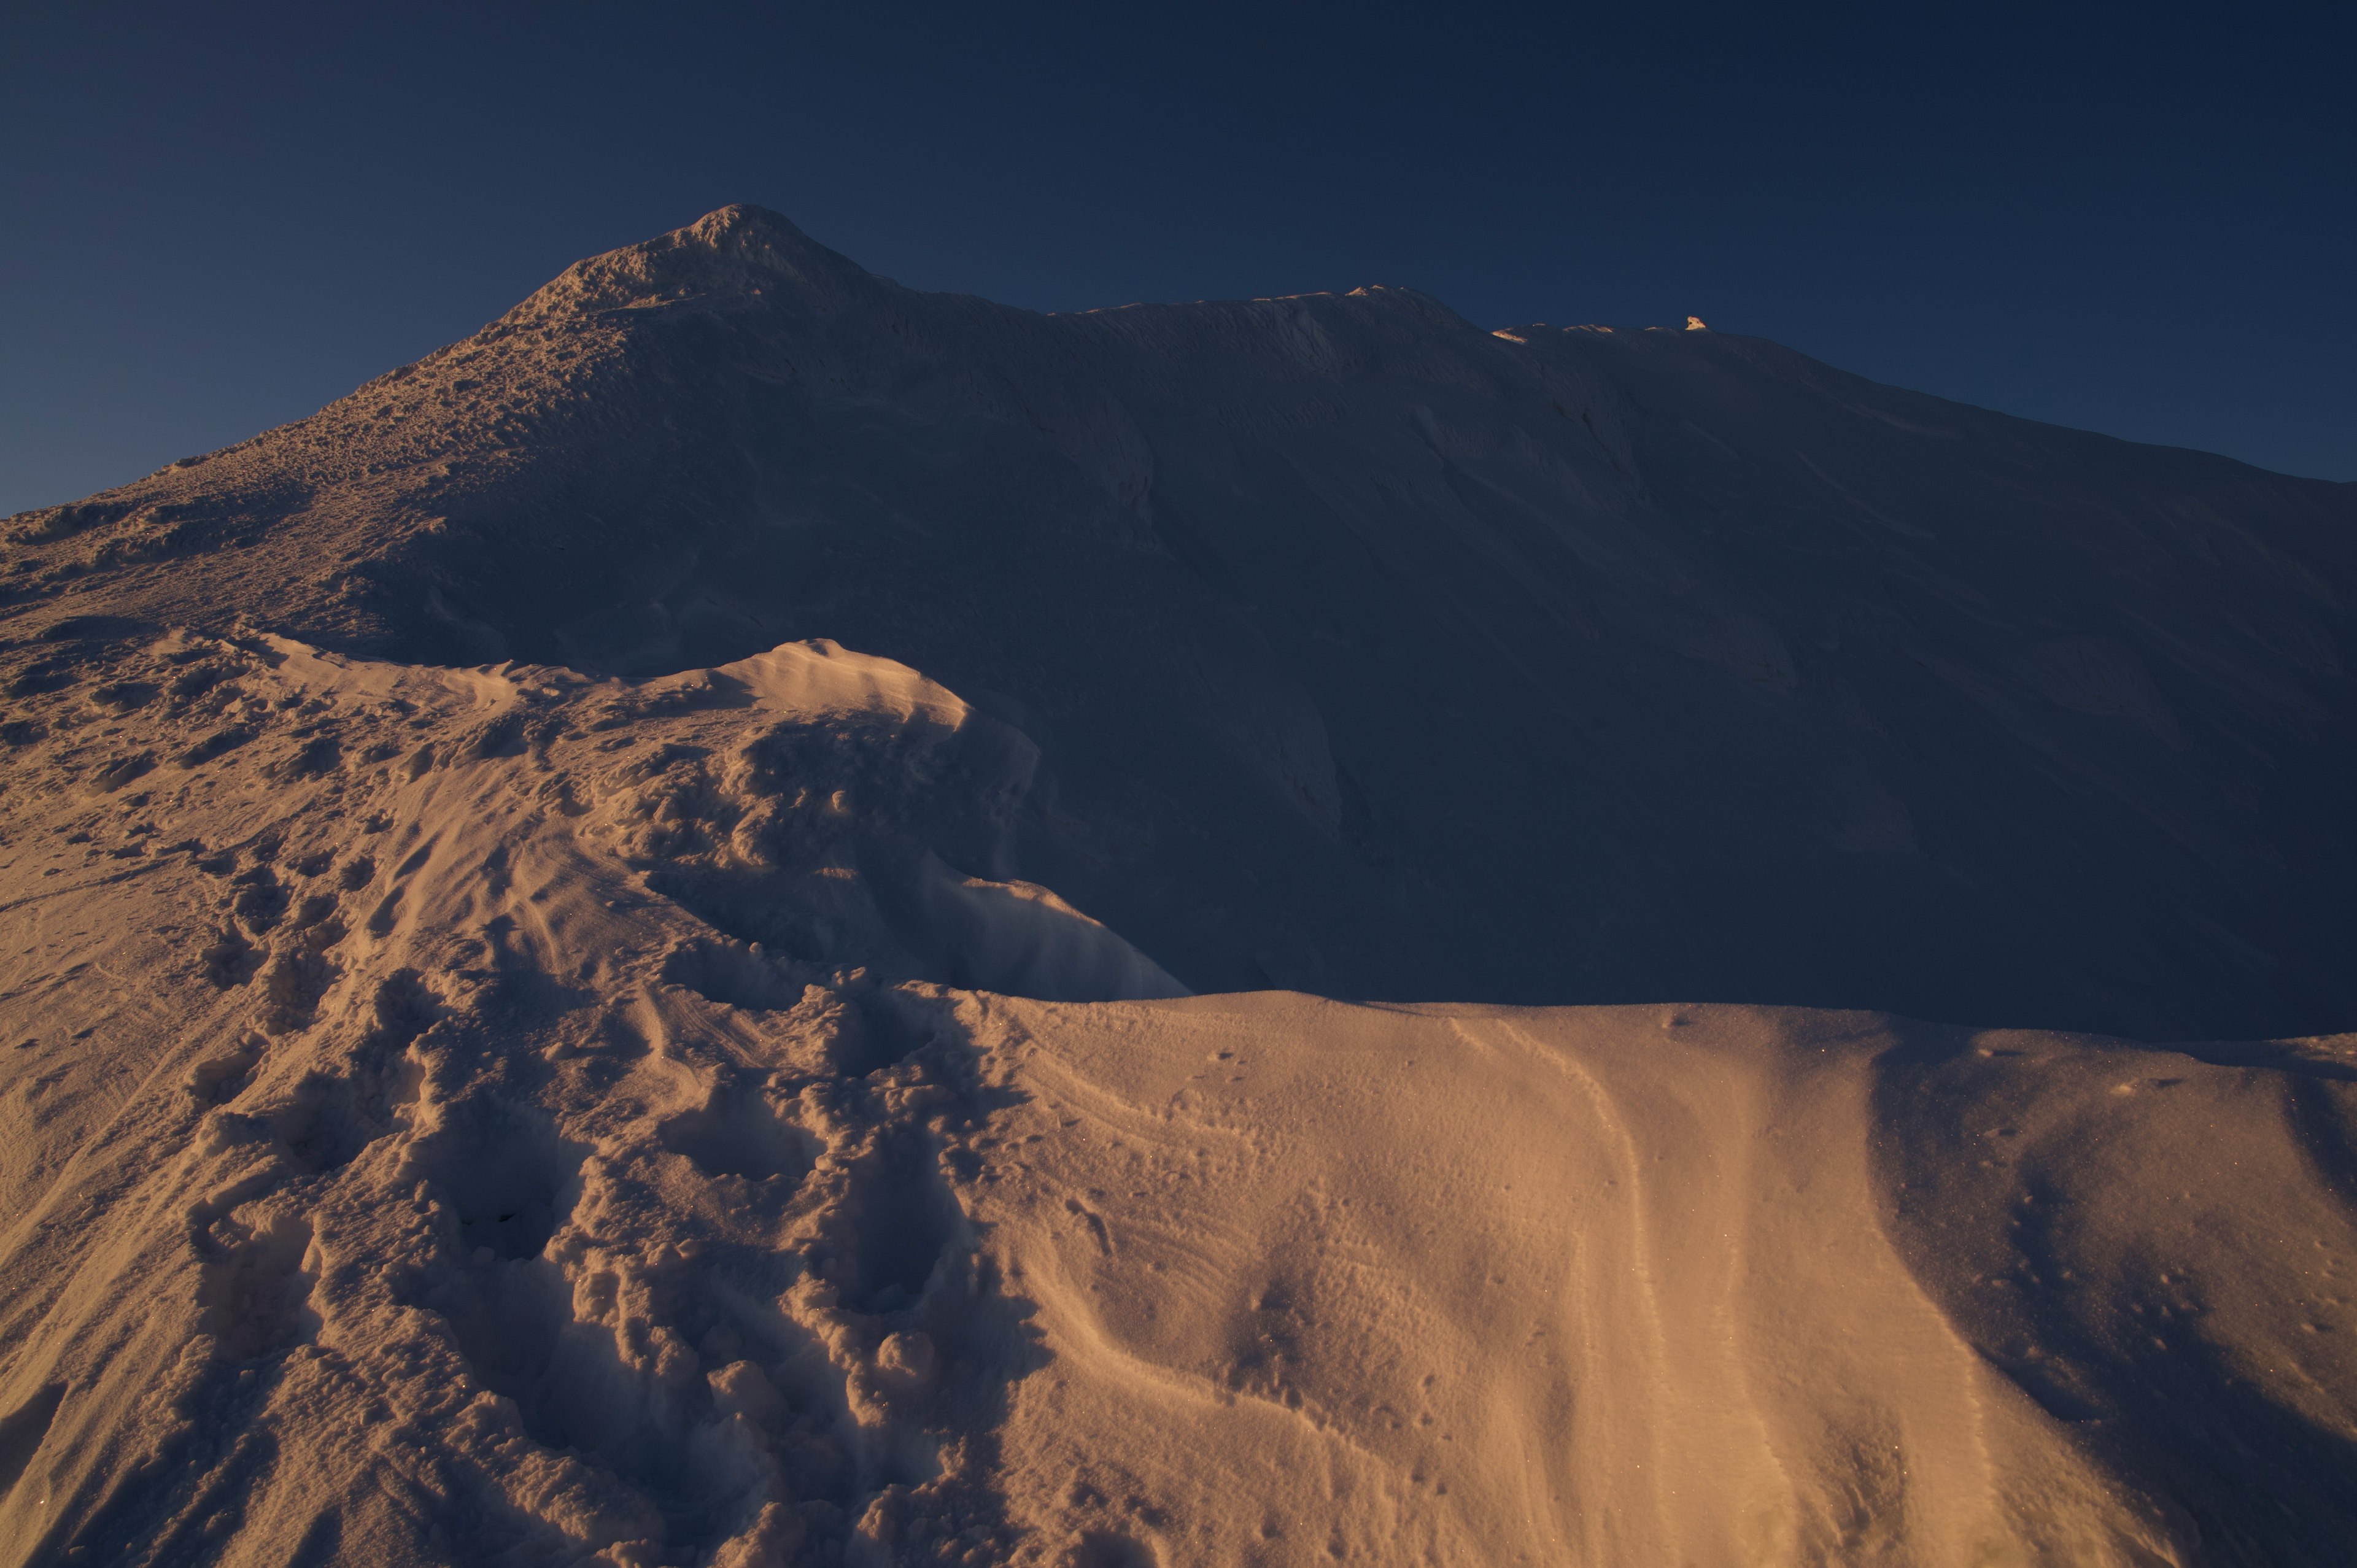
x: 594, y: 940
x: 1374, y: 654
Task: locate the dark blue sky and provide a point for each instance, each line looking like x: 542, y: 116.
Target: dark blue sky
x: 213, y: 220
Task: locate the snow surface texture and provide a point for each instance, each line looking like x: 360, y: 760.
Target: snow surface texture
x: 444, y: 1123
x: 516, y: 1047
x: 1373, y: 654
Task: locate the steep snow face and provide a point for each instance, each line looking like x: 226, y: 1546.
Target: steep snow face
x: 504, y: 1114
x: 1371, y: 653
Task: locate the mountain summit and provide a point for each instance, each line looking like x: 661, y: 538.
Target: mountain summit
x: 1371, y: 653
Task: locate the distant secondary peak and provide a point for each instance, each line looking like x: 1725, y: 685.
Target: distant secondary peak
x: 1413, y: 302
x: 1694, y: 324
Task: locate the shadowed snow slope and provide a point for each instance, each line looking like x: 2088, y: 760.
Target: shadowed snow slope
x: 1369, y: 653
x: 504, y: 1115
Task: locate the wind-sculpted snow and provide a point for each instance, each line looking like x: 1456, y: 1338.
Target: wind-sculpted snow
x: 1373, y: 654
x: 475, y: 1191
x: 502, y: 1115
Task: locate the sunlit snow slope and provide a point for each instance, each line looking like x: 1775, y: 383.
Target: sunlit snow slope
x: 422, y: 1143
x: 1373, y: 654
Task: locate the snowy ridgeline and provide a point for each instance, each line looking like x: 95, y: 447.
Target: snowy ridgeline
x: 500, y: 1115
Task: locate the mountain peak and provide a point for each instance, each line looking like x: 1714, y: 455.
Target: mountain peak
x: 735, y: 250
x: 750, y: 233
x: 717, y: 227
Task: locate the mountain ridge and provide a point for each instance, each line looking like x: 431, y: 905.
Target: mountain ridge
x: 1236, y: 563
